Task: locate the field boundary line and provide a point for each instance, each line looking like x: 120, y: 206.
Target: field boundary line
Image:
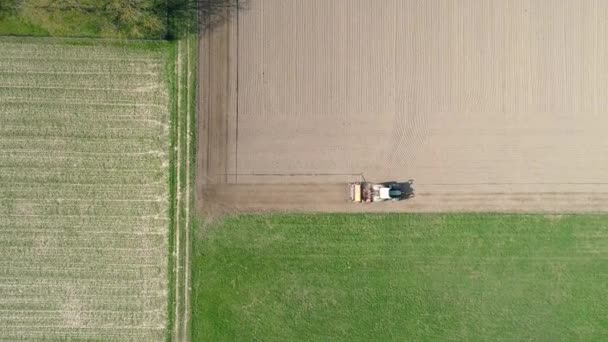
x: 237, y: 79
x: 186, y: 318
x: 183, y: 149
x: 177, y: 228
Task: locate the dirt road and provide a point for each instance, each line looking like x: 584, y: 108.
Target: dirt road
x: 492, y: 106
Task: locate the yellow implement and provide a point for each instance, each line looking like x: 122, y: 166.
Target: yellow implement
x: 355, y: 192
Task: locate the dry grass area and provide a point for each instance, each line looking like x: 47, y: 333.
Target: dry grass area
x: 83, y: 190
x: 493, y: 105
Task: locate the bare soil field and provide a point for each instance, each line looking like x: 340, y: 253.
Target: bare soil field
x: 488, y: 106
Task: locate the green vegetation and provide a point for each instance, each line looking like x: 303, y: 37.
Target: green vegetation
x: 20, y: 26
x: 125, y: 83
x: 84, y: 193
x: 133, y: 79
x: 182, y: 156
x: 139, y: 19
x: 84, y: 18
x: 402, y: 277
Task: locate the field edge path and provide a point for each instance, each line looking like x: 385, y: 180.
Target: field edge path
x: 186, y: 53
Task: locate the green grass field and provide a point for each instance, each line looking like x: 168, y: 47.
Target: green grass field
x: 402, y: 277
x: 33, y: 19
x: 84, y: 189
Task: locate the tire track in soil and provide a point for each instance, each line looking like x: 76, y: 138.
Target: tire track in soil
x: 252, y: 198
x: 187, y: 246
x: 177, y: 251
x: 182, y: 248
x: 411, y: 131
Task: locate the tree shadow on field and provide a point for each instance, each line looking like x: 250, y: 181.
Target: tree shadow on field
x: 199, y: 16
x: 168, y: 19
x: 9, y: 7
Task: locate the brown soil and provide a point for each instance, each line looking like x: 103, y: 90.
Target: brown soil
x: 244, y: 198
x: 493, y: 106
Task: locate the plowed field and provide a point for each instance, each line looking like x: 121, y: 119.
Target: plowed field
x: 493, y: 106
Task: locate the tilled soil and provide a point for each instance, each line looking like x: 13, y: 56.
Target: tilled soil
x: 244, y: 198
x: 493, y: 106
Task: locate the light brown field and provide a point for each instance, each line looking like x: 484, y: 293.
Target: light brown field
x: 488, y: 105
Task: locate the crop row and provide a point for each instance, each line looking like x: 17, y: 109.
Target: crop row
x: 84, y: 177
x: 89, y: 124
x: 72, y: 260
x: 81, y: 109
x: 67, y: 240
x: 144, y: 94
x: 117, y: 226
x: 25, y: 47
x: 75, y: 261
x: 24, y: 101
x: 70, y: 161
x: 36, y: 300
x: 61, y: 48
x: 67, y: 145
x: 115, y: 81
x: 18, y: 66
x: 70, y: 109
x: 86, y: 290
x: 83, y: 271
x: 67, y: 333
x: 75, y: 131
x: 102, y: 319
x: 54, y: 53
x: 49, y: 192
x: 101, y: 208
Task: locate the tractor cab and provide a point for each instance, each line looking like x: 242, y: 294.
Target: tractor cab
x: 392, y: 192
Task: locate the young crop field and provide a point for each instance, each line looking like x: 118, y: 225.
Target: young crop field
x: 402, y: 278
x: 84, y: 190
